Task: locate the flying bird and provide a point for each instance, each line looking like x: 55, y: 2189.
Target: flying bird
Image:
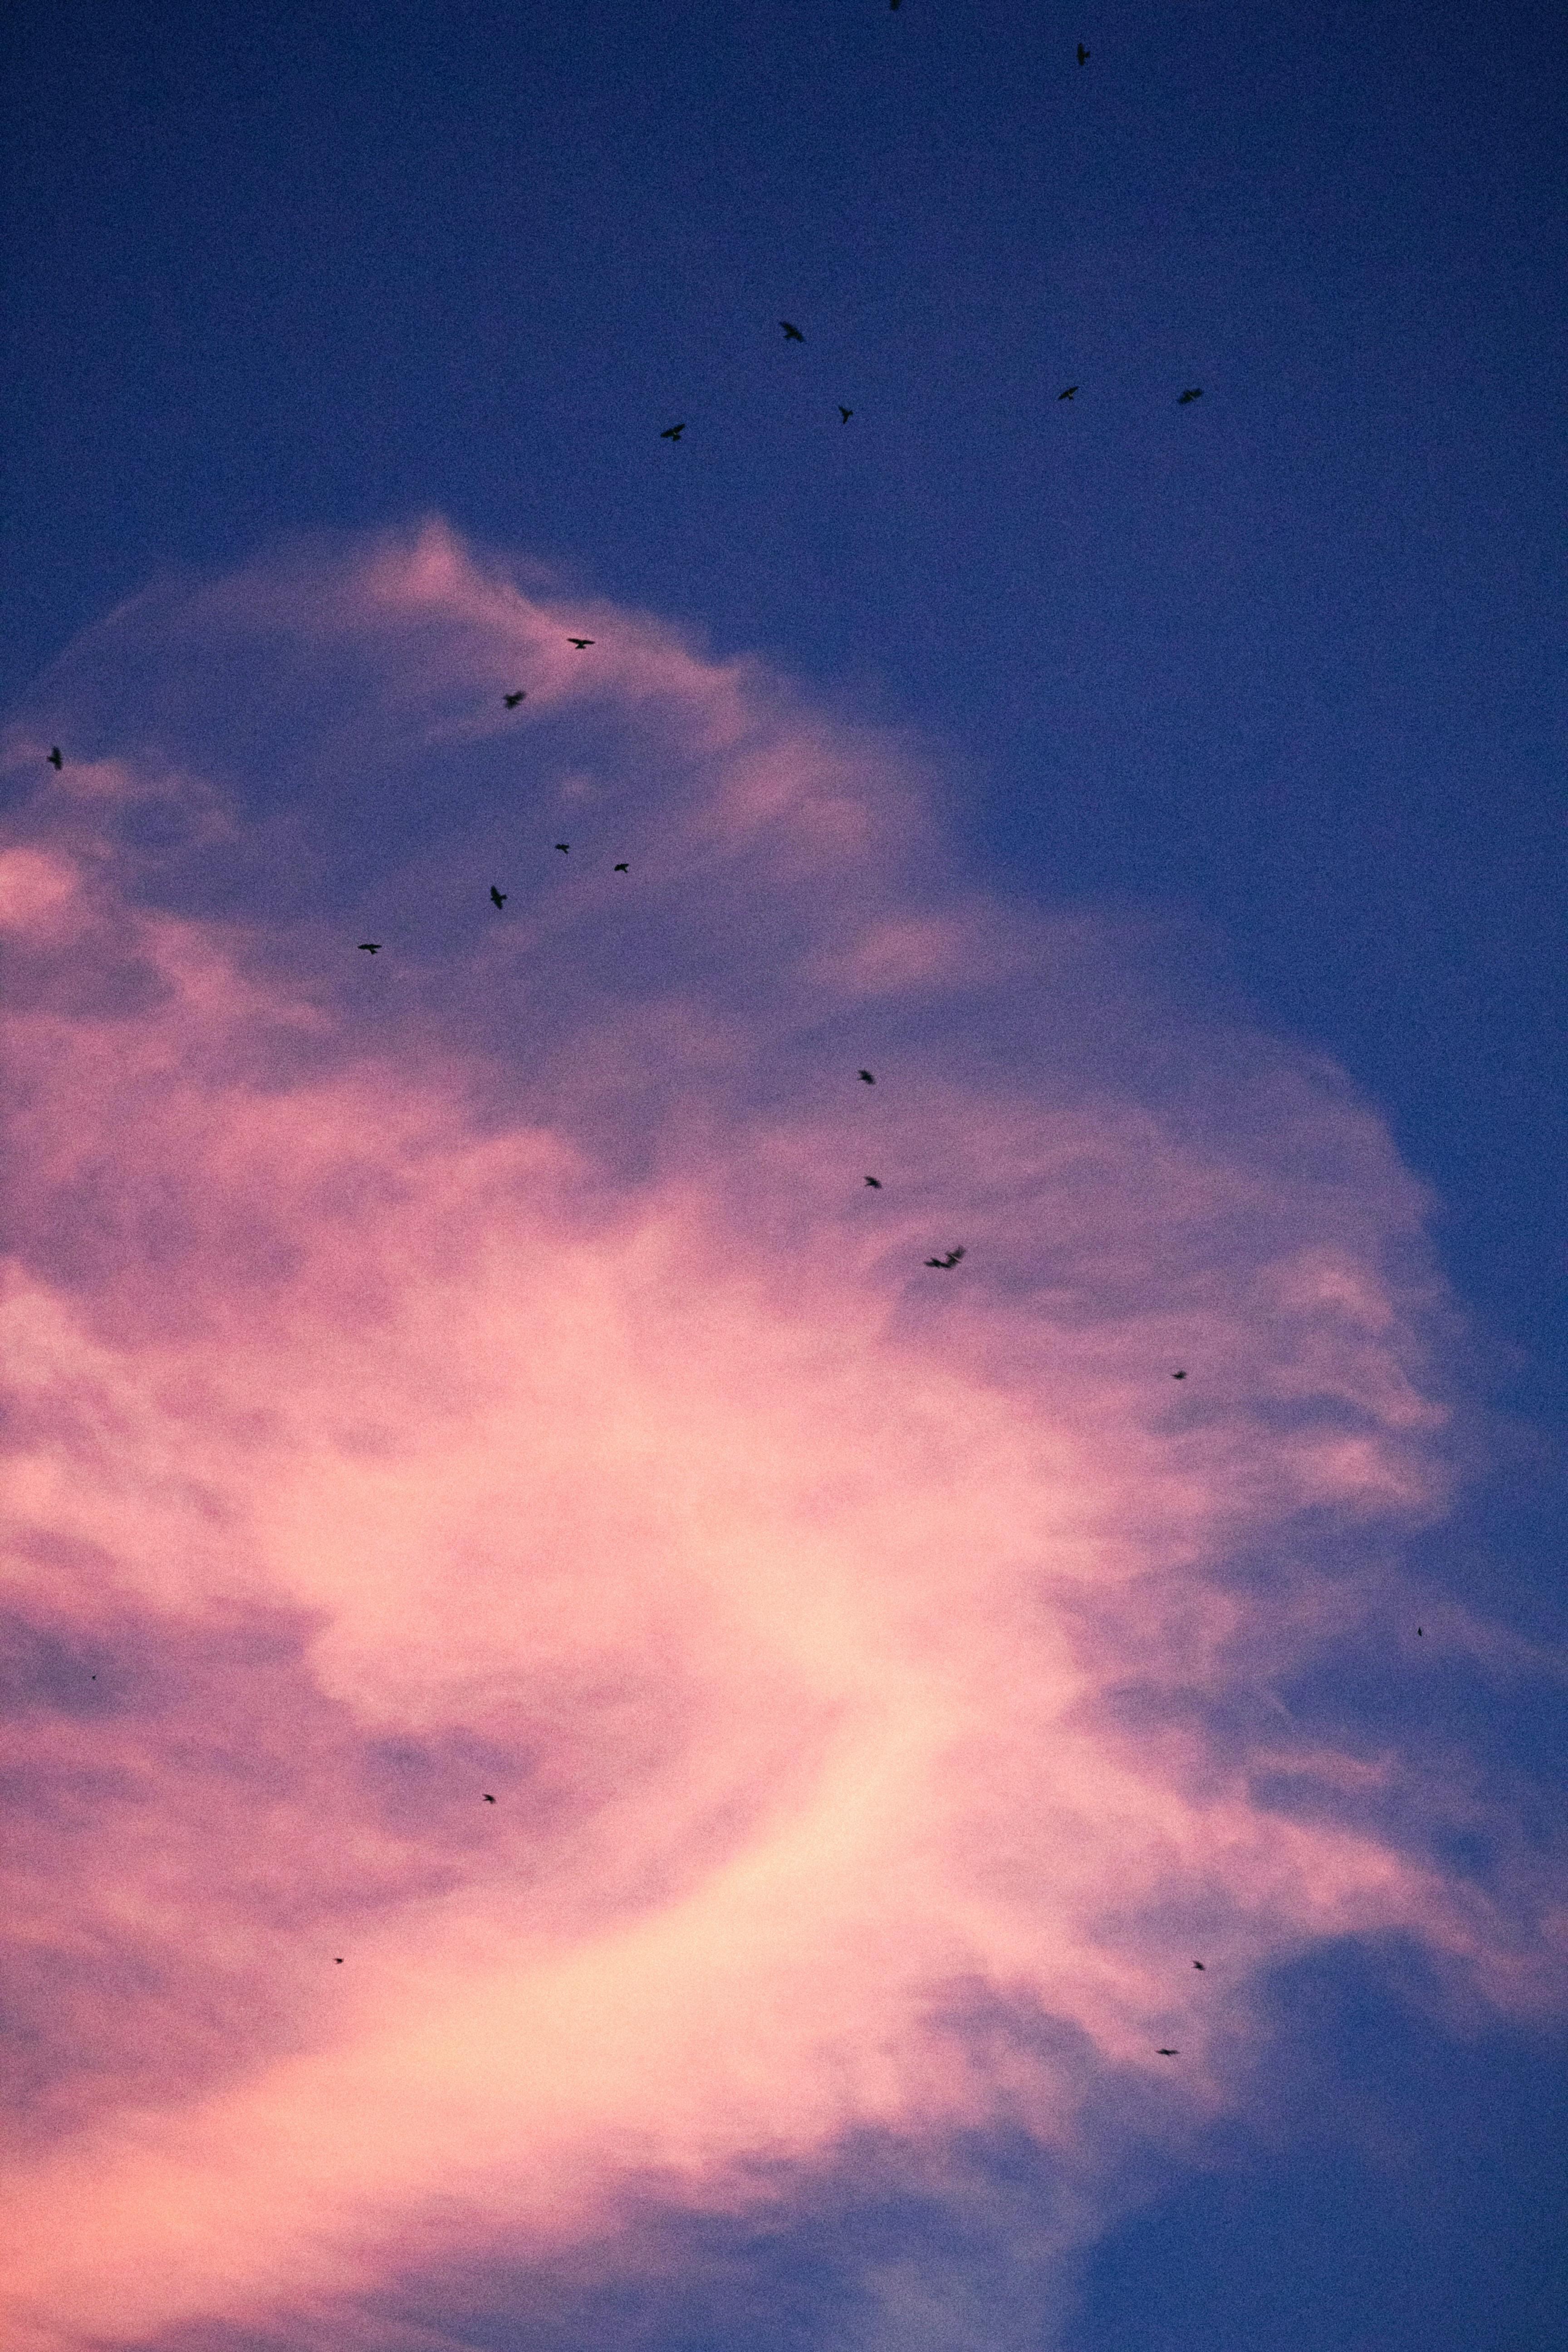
x: 498, y: 897
x: 1178, y: 1376
x: 866, y: 1078
x: 337, y: 1960
x: 951, y: 1259
x: 672, y: 432
x: 1167, y: 2053
x: 845, y: 413
x: 564, y: 847
x: 1422, y: 1631
x: 1197, y: 1964
x: 875, y: 1182
x: 1070, y: 394
x: 512, y: 700
x: 1082, y: 55
x: 1193, y: 392
x: 489, y: 1799
x: 370, y: 947
x: 56, y: 762
x: 582, y: 643
x: 792, y: 334
x: 624, y: 866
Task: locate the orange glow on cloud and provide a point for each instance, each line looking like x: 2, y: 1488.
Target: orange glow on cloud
x: 482, y: 1367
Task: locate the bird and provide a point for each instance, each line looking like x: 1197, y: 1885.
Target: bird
x: 1069, y: 394
x: 1167, y: 2053
x: 875, y: 1182
x: 1193, y: 392
x: 370, y: 947
x: 512, y: 700
x: 672, y: 432
x: 498, y: 897
x: 337, y: 1960
x: 866, y: 1079
x: 951, y: 1259
x: 1178, y: 1376
x: 581, y: 644
x: 564, y: 847
x: 845, y: 413
x: 56, y: 762
x: 1422, y: 1631
x: 624, y: 866
x: 1197, y: 1964
x: 489, y: 1799
x: 1082, y: 55
x: 792, y: 334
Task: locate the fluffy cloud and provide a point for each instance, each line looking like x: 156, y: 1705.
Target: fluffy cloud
x: 482, y: 1367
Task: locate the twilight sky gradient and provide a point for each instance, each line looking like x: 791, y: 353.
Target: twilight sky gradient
x: 483, y: 1368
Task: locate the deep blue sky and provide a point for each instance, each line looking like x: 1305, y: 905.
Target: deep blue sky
x: 1285, y: 665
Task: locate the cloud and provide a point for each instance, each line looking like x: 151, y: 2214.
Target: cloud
x: 483, y: 1368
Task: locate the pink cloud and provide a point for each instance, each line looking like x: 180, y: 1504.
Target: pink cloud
x: 484, y: 1368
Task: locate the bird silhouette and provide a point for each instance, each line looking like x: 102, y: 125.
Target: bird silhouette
x: 564, y: 847
x: 845, y: 413
x: 1082, y: 55
x: 875, y: 1182
x: 489, y: 1799
x: 672, y: 432
x: 1178, y: 1376
x: 370, y: 947
x: 1070, y: 394
x: 337, y: 1960
x: 1193, y: 392
x: 1197, y: 1964
x: 1167, y: 2053
x: 624, y: 866
x: 512, y: 700
x: 866, y: 1078
x: 951, y: 1259
x: 792, y: 334
x: 56, y: 762
x: 582, y: 643
x: 498, y: 897
x: 1422, y: 1631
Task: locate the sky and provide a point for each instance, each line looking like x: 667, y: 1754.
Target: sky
x: 597, y: 1751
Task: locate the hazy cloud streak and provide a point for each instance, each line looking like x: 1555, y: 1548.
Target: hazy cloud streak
x: 482, y: 1368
